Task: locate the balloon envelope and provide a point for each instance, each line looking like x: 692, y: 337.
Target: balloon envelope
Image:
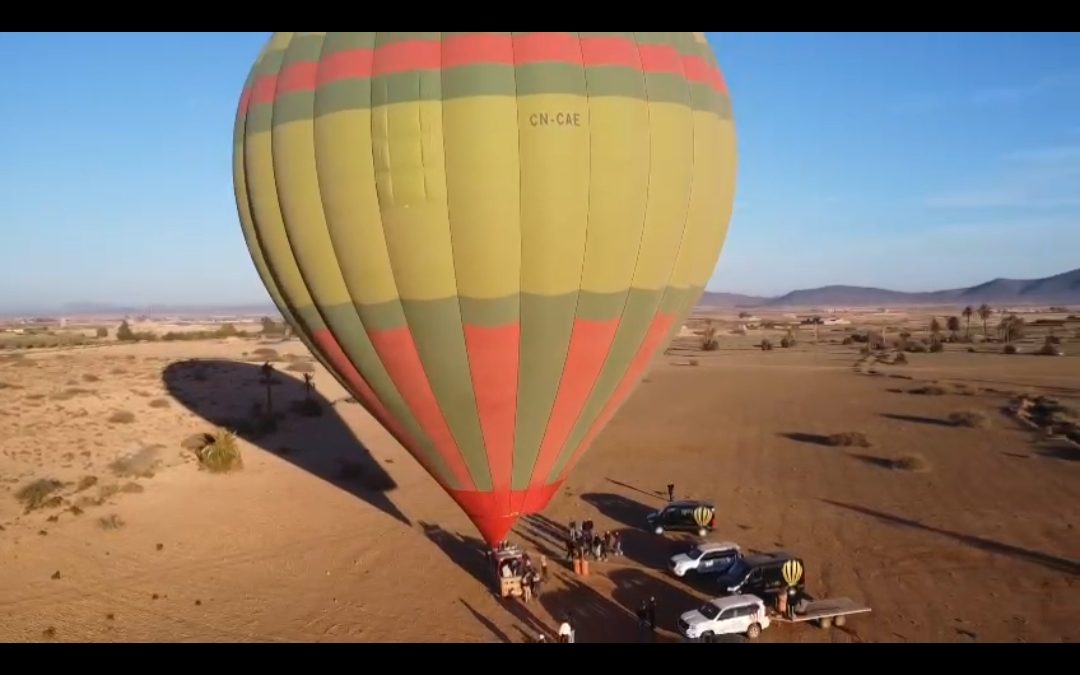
x: 486, y: 237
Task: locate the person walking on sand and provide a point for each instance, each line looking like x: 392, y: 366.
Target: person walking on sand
x: 642, y: 621
x: 543, y: 567
x: 527, y: 586
x: 671, y: 492
x: 652, y: 614
x: 616, y: 542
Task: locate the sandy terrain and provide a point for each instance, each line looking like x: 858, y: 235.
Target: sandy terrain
x: 320, y: 538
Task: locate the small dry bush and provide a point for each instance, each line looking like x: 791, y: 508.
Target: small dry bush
x: 140, y: 463
x: 900, y: 359
x: 848, y: 439
x: 110, y: 522
x: 70, y: 393
x: 122, y: 417
x: 929, y: 390
x: 969, y: 418
x: 39, y: 494
x: 937, y: 346
x: 1009, y: 349
x: 301, y: 367
x: 221, y: 454
x: 266, y: 353
x: 90, y: 377
x: 766, y: 345
x: 915, y: 463
x: 85, y: 483
x: 159, y: 403
x: 847, y: 341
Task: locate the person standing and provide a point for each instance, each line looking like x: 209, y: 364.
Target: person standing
x: 671, y: 492
x: 652, y: 614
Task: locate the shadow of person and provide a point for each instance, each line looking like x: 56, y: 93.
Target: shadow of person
x: 638, y: 544
x: 594, y: 617
x: 634, y: 586
x: 306, y: 431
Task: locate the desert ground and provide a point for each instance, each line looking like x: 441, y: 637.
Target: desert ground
x: 952, y: 530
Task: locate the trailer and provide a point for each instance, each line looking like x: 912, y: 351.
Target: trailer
x: 827, y: 612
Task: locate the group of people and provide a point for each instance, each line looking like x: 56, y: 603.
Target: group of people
x: 583, y: 541
x: 531, y: 578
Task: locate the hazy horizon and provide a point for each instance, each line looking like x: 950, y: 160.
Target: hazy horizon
x: 910, y: 162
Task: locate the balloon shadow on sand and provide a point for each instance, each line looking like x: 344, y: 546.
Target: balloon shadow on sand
x: 470, y: 554
x: 305, y: 430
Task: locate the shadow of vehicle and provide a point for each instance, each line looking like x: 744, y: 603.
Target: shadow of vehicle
x: 638, y: 544
x: 305, y: 430
x: 634, y: 586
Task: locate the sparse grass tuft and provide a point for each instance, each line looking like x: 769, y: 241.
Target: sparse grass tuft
x: 138, y: 464
x: 36, y: 495
x: 159, y: 403
x: 900, y: 359
x: 848, y: 439
x: 122, y: 417
x: 110, y: 522
x: 1009, y: 349
x: 969, y: 418
x: 929, y: 390
x: 90, y: 377
x: 301, y: 367
x: 86, y: 482
x: 222, y: 454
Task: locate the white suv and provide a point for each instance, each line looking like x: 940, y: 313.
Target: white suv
x: 729, y: 615
x: 707, y: 558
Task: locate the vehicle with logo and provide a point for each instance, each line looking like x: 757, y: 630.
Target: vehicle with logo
x: 706, y: 558
x: 779, y: 578
x: 731, y: 615
x: 764, y: 575
x: 683, y: 516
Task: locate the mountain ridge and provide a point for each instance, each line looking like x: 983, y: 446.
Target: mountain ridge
x: 1062, y: 289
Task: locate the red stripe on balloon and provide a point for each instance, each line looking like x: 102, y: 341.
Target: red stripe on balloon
x: 397, y: 351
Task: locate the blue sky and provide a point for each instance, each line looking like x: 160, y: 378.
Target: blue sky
x: 909, y: 161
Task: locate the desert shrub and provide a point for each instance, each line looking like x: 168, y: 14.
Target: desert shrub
x: 848, y: 439
x: 265, y: 352
x: 916, y: 463
x: 936, y: 346
x: 708, y: 339
x: 110, y: 522
x: 900, y: 359
x: 90, y: 377
x: 693, y: 362
x: 1009, y: 349
x: 102, y: 332
x: 865, y: 350
x: 969, y: 418
x: 39, y: 494
x: 847, y: 340
x: 916, y: 348
x: 221, y: 454
x: 122, y: 417
x: 766, y: 345
x: 929, y: 390
x: 85, y: 483
x: 159, y: 403
x: 971, y: 350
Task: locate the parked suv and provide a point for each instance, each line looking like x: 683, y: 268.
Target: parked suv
x: 683, y: 516
x: 707, y: 558
x: 725, y: 616
x: 764, y: 575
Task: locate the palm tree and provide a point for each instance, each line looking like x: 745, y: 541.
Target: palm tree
x: 954, y: 325
x: 984, y: 313
x: 968, y: 311
x: 1011, y: 328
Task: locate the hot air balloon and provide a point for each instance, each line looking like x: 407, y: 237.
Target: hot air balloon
x: 485, y: 237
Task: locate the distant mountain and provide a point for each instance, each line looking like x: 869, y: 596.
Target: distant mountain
x: 1060, y: 289
x: 710, y: 299
x: 111, y: 309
